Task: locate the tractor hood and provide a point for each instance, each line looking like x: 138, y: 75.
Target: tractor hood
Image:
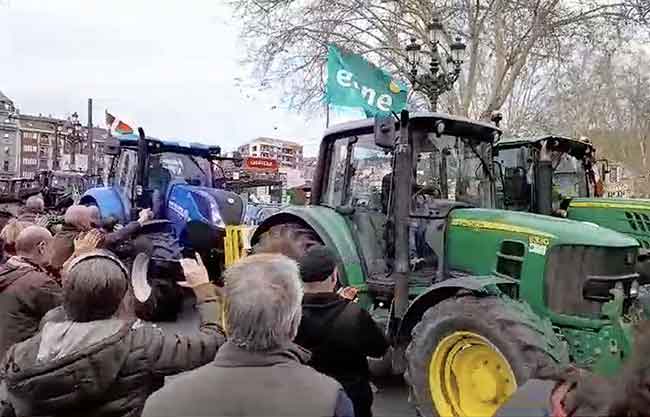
x: 629, y: 216
x: 206, y: 205
x: 555, y: 231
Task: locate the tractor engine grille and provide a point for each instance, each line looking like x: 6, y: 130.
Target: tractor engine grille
x: 578, y: 278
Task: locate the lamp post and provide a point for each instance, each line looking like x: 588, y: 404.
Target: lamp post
x: 58, y: 130
x: 72, y: 135
x: 437, y: 80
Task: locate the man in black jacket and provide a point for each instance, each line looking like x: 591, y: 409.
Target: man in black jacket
x: 91, y: 361
x: 338, y: 332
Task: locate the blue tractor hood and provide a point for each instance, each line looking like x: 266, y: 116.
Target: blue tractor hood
x: 214, y: 207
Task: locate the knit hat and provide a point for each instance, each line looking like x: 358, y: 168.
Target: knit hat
x: 317, y: 264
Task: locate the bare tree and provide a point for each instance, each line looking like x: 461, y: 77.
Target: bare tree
x: 508, y: 41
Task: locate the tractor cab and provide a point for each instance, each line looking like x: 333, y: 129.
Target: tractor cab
x: 448, y: 166
x: 175, y: 179
x: 520, y: 165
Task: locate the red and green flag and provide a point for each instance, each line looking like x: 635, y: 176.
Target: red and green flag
x: 116, y: 125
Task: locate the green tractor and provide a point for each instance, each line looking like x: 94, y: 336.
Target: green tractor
x: 556, y: 175
x: 475, y: 301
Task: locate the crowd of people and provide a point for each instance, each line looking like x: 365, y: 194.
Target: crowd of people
x: 279, y: 338
x: 74, y: 343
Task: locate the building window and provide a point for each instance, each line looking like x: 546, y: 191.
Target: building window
x: 7, y: 150
x: 254, y: 148
x: 5, y: 165
x: 29, y: 161
x: 6, y: 135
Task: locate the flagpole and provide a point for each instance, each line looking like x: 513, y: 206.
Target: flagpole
x: 327, y: 115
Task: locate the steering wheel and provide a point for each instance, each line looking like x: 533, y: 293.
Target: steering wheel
x: 432, y: 191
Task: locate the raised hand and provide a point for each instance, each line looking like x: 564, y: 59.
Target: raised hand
x: 88, y: 241
x: 195, y: 272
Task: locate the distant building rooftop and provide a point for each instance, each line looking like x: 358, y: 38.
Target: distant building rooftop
x: 275, y: 141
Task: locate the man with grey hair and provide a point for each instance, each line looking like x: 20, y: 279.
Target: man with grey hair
x: 258, y: 371
x: 34, y: 208
x: 27, y: 292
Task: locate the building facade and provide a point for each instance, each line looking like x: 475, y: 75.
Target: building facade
x: 9, y: 137
x: 287, y: 153
x: 45, y: 143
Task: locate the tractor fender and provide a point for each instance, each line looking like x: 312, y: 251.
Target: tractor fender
x: 332, y: 228
x: 108, y: 201
x: 439, y: 292
x: 285, y: 217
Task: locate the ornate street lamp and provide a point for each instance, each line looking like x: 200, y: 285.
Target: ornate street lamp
x: 72, y: 135
x: 437, y: 80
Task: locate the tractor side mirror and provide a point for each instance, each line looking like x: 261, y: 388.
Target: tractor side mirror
x: 384, y: 131
x: 112, y: 147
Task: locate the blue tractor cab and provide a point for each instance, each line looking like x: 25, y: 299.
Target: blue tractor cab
x: 177, y: 180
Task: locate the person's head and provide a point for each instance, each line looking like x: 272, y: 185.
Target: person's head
x: 94, y: 287
x: 263, y: 302
x: 35, y: 204
x: 80, y: 217
x: 292, y: 242
x: 95, y: 216
x: 9, y: 235
x: 32, y: 243
x: 318, y: 270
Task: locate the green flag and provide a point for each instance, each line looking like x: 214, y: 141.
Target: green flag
x: 354, y: 82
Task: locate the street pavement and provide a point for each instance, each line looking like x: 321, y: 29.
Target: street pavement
x: 391, y: 399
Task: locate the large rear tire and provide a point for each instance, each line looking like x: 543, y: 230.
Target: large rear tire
x: 469, y: 354
x: 166, y: 299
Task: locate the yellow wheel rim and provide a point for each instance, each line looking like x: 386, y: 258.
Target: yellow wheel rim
x: 469, y: 377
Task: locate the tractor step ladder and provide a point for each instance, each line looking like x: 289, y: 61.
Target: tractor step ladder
x: 237, y: 243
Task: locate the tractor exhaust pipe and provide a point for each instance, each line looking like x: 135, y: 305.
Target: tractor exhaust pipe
x: 141, y: 172
x: 402, y: 176
x: 544, y: 181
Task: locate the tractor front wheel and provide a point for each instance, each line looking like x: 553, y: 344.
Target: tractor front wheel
x: 469, y: 354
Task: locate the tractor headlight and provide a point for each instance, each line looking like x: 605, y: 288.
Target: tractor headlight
x: 634, y: 289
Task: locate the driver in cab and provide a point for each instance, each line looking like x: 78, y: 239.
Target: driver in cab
x: 159, y: 179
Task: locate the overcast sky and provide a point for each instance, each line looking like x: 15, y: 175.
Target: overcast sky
x: 167, y: 65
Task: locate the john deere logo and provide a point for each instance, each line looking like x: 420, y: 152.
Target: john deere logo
x: 394, y: 88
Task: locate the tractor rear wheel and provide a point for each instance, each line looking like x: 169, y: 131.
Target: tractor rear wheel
x: 166, y: 300
x: 469, y: 354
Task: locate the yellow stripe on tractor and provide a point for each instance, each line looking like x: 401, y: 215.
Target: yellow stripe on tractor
x: 237, y: 243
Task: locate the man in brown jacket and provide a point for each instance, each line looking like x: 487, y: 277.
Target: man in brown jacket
x: 80, y: 219
x: 27, y: 292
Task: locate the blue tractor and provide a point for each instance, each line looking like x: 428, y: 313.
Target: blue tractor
x: 177, y: 180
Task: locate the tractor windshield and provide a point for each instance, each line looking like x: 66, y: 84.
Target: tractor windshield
x: 452, y: 167
x: 569, y: 178
x: 447, y: 167
x: 191, y: 169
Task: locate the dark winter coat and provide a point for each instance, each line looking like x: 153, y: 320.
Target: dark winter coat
x: 252, y: 384
x: 27, y: 292
x: 341, y: 336
x: 106, y: 367
x: 533, y: 399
